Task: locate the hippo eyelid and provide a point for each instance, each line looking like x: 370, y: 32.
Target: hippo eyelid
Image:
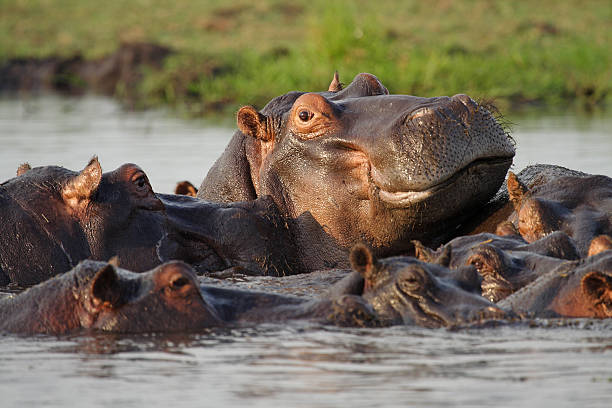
x: 140, y: 179
x: 410, y: 279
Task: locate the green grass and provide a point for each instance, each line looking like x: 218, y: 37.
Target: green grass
x: 548, y: 52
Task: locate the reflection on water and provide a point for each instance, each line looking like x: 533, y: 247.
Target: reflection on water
x: 300, y: 365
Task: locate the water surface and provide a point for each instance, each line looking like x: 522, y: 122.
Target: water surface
x: 53, y: 130
x: 554, y: 364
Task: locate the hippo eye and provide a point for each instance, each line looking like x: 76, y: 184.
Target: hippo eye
x: 179, y: 282
x: 140, y: 181
x: 411, y: 282
x: 305, y: 115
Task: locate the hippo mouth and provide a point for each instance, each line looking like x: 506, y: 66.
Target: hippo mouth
x: 407, y: 198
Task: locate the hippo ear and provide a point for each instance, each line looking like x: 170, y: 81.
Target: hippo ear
x: 23, y: 168
x: 597, y: 286
x: 185, y: 188
x: 600, y: 244
x: 362, y: 261
x: 83, y: 185
x: 336, y: 85
x: 516, y: 190
x: 506, y: 228
x: 423, y: 253
x: 105, y: 288
x: 253, y: 123
x: 114, y: 261
x: 444, y: 258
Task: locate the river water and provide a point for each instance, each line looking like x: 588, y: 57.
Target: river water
x: 556, y: 363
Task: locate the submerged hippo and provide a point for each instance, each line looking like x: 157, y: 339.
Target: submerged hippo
x: 100, y: 296
x: 97, y: 295
x: 404, y: 290
x: 581, y: 288
x: 54, y: 217
x: 358, y: 164
x: 580, y: 205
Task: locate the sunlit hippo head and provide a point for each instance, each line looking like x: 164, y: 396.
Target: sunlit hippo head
x: 366, y: 165
x: 574, y: 289
x: 166, y: 299
x: 579, y: 205
x: 101, y: 296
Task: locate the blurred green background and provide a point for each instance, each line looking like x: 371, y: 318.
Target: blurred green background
x: 226, y: 54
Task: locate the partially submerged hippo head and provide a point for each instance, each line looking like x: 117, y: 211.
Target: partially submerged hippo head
x: 579, y: 205
x: 366, y: 165
x: 58, y: 217
x: 99, y: 295
x: 407, y: 291
x: 574, y: 289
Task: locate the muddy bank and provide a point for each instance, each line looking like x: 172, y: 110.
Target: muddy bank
x: 117, y: 74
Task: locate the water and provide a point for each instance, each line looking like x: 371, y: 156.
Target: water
x: 578, y: 142
x: 51, y: 130
x: 310, y: 366
x: 556, y: 364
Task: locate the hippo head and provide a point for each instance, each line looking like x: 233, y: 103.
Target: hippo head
x: 406, y: 290
x: 367, y: 165
x: 102, y: 296
x: 86, y: 214
x: 578, y: 205
x: 166, y: 299
x: 587, y: 291
x: 597, y: 288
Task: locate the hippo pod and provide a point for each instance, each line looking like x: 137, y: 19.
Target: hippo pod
x: 57, y: 217
x: 101, y: 296
x: 360, y: 165
x: 505, y: 263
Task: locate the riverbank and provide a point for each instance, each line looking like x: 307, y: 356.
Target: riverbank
x: 218, y: 56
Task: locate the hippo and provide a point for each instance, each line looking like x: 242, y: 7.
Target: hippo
x: 185, y: 188
x: 360, y: 165
x: 505, y: 263
x: 581, y: 288
x: 55, y: 217
x: 496, y: 215
x: 99, y: 295
x: 579, y: 205
x: 404, y: 290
